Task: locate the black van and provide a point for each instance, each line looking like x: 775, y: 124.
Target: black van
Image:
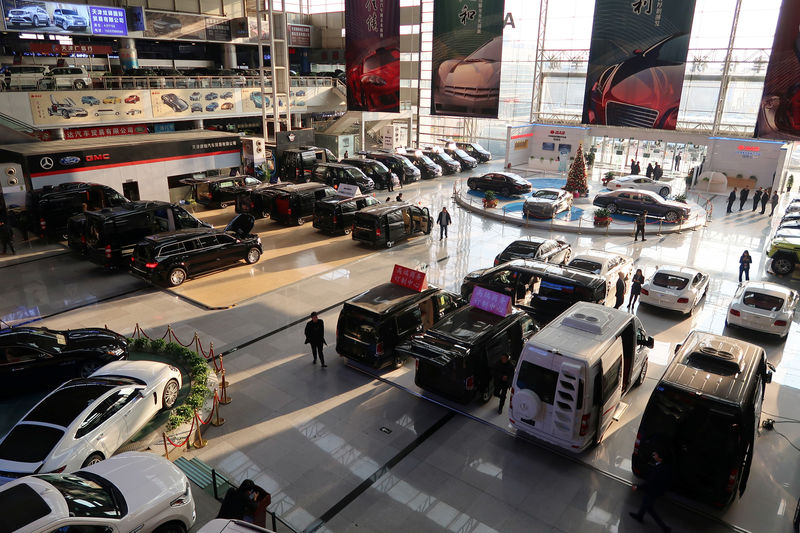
x: 438, y: 156
x: 294, y: 204
x: 374, y: 169
x: 258, y: 201
x: 401, y: 166
x: 547, y: 290
x: 297, y: 163
x: 335, y: 215
x: 428, y: 168
x: 703, y: 417
x: 475, y: 150
x: 219, y: 191
x: 335, y: 173
x: 455, y: 357
x: 51, y: 206
x: 385, y: 224
x: 111, y: 234
x: 374, y: 322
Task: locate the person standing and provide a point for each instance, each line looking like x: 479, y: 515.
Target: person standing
x: 640, y: 222
x: 346, y: 155
x: 399, y: 197
x: 503, y: 374
x: 390, y: 182
x: 636, y: 288
x: 773, y: 202
x: 744, y: 266
x: 764, y: 199
x: 444, y: 220
x: 743, y: 197
x: 633, y: 167
x: 638, y: 168
x: 6, y: 237
x: 649, y: 171
x: 240, y: 502
x: 620, y: 290
x: 677, y: 166
x: 655, y: 485
x: 315, y: 336
x: 731, y: 199
x: 757, y: 198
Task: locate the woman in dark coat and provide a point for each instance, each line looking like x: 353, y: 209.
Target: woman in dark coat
x: 636, y: 288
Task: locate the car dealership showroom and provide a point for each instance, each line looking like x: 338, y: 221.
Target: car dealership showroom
x: 399, y: 265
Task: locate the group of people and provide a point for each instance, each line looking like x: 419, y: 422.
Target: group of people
x: 652, y: 171
x: 621, y: 288
x: 761, y: 196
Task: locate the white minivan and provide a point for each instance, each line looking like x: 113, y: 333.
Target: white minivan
x: 572, y: 374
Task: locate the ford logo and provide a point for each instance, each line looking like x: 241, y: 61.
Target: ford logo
x: 69, y: 160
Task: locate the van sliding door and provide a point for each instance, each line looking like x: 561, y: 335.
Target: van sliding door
x: 611, y: 385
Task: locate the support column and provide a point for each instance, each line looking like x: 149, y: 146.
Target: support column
x: 228, y: 56
x: 128, y: 57
x: 197, y: 124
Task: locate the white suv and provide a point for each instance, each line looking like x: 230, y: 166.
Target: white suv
x: 24, y: 76
x: 67, y: 78
x: 29, y: 16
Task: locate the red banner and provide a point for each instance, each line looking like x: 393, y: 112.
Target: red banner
x: 55, y: 48
x: 409, y: 278
x: 104, y: 131
x: 490, y: 301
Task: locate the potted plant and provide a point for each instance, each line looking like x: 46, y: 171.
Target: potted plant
x: 602, y: 217
x: 590, y: 159
x: 608, y: 177
x: 681, y: 198
x: 489, y: 200
x: 789, y: 182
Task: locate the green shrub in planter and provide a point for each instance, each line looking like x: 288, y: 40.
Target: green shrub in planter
x: 681, y: 198
x: 490, y: 195
x: 158, y: 345
x: 602, y: 213
x: 754, y: 178
x: 739, y: 176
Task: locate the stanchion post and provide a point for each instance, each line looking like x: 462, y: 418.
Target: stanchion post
x: 166, y: 448
x: 218, y: 421
x: 224, y: 398
x: 660, y: 222
x: 198, y: 436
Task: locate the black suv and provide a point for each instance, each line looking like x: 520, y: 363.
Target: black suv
x: 428, y: 168
x: 173, y: 257
x: 220, y: 191
x: 398, y: 164
x: 335, y: 173
x: 335, y: 214
x: 467, y: 161
x: 293, y: 204
x: 504, y: 183
x: 52, y: 206
x: 456, y: 356
x: 374, y: 169
x: 386, y: 224
x: 447, y: 163
x: 547, y: 250
x: 475, y: 150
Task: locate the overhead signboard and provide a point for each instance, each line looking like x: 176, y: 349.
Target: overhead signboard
x: 490, y: 301
x: 108, y: 131
x: 72, y: 19
x: 174, y: 26
x: 186, y: 102
x: 51, y: 47
x: 299, y: 35
x: 65, y: 108
x: 409, y: 278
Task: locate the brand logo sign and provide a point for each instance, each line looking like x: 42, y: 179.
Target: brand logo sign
x: 98, y: 157
x: 291, y: 137
x: 46, y: 163
x: 69, y: 160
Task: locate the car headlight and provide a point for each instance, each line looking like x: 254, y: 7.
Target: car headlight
x: 184, y: 498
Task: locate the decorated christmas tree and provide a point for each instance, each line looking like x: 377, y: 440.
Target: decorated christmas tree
x: 576, y: 178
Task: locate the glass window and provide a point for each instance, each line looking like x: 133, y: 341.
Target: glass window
x: 763, y: 301
x: 611, y: 380
x: 409, y: 321
x: 85, y: 498
x: 663, y: 279
x: 206, y: 242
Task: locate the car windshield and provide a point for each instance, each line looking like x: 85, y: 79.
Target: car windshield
x: 85, y: 498
x: 407, y: 163
x: 538, y: 379
x: 670, y: 281
x: 355, y: 173
x: 523, y: 249
x: 446, y: 157
x: 545, y: 195
x: 584, y: 264
x: 461, y: 153
x: 763, y: 301
x: 380, y: 58
x: 69, y: 12
x: 426, y: 160
x: 490, y: 51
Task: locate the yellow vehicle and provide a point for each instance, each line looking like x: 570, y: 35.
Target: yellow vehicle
x: 112, y: 100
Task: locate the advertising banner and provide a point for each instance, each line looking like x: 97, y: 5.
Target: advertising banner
x: 252, y: 99
x: 174, y: 26
x: 299, y: 35
x: 372, y: 55
x: 109, y: 131
x: 637, y: 60
x: 70, y: 107
x: 467, y: 52
x: 50, y: 47
x: 186, y: 102
x: 73, y: 19
x: 218, y: 29
x: 779, y: 115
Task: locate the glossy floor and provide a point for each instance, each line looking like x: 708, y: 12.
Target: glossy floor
x: 341, y: 450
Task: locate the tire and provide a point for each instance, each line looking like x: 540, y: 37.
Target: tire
x: 65, y: 114
x: 663, y: 192
x: 89, y: 367
x: 643, y: 373
x: 782, y: 264
x: 35, y: 22
x: 347, y: 231
x: 93, y: 459
x: 80, y: 84
x: 671, y: 216
x: 299, y: 221
x: 486, y: 394
x: 389, y: 244
x: 612, y: 208
x: 170, y: 394
x: 176, y: 277
x: 253, y: 255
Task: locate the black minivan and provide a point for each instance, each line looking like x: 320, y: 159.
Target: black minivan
x: 335, y: 173
x: 703, y: 417
x: 258, y: 201
x: 386, y: 224
x: 400, y: 165
x: 294, y: 204
x: 455, y: 357
x: 334, y: 215
x: 219, y: 191
x: 374, y: 322
x: 51, y: 206
x: 426, y: 166
x: 373, y: 169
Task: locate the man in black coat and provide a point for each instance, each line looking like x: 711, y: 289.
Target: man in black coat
x: 657, y: 482
x: 315, y: 336
x: 620, y: 290
x: 239, y: 503
x: 757, y: 198
x: 764, y: 199
x: 743, y: 197
x: 640, y: 222
x: 731, y: 199
x: 444, y: 220
x: 503, y: 373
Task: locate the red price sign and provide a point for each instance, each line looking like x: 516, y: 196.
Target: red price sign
x: 409, y: 278
x: 490, y: 301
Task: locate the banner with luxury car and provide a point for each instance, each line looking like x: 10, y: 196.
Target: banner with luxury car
x: 372, y: 55
x: 176, y: 103
x: 467, y: 53
x: 69, y: 108
x: 637, y: 60
x: 252, y: 99
x: 72, y: 19
x: 778, y: 115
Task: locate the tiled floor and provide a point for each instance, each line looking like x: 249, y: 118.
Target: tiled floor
x: 341, y: 450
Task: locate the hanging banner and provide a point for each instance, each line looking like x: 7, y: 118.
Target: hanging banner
x: 467, y: 52
x: 779, y: 114
x: 637, y: 60
x: 70, y: 19
x: 372, y: 55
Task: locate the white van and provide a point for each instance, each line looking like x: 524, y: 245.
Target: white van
x: 571, y: 376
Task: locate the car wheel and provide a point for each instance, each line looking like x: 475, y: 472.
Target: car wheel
x: 170, y: 394
x: 726, y: 323
x: 253, y: 255
x: 643, y: 373
x: 177, y: 276
x: 486, y: 394
x: 663, y: 192
x: 782, y: 265
x: 80, y: 84
x: 93, y: 459
x: 89, y: 367
x: 347, y: 230
x: 35, y: 22
x: 398, y: 362
x: 671, y: 216
x: 389, y: 244
x: 299, y: 221
x: 612, y: 208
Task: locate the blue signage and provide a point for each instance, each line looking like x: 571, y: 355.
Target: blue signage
x: 108, y: 20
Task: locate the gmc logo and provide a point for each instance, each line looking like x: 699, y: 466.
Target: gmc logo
x: 98, y: 157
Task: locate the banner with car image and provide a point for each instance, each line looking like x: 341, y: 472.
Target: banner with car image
x: 778, y: 115
x: 467, y: 52
x: 176, y: 103
x: 252, y: 99
x: 55, y: 17
x: 637, y: 60
x: 372, y: 55
x: 69, y: 108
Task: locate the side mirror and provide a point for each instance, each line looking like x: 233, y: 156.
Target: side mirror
x: 650, y: 342
x: 678, y: 347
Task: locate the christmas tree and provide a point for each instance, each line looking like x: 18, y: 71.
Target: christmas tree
x: 576, y: 178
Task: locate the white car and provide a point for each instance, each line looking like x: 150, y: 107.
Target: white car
x: 66, y: 78
x: 132, y: 491
x: 640, y: 182
x: 223, y: 525
x: 606, y: 264
x: 763, y: 306
x: 86, y: 420
x: 676, y: 288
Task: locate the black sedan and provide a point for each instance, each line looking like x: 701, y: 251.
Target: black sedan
x: 174, y: 256
x: 40, y: 357
x: 637, y: 201
x: 504, y: 183
x: 547, y: 250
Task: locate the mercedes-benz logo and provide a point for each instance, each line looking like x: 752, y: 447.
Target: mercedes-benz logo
x: 46, y: 163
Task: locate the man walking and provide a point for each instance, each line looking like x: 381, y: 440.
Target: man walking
x: 315, y: 336
x: 620, y: 290
x: 731, y: 199
x: 773, y: 202
x: 677, y: 166
x: 503, y: 375
x: 390, y: 182
x: 743, y: 197
x: 444, y: 220
x: 764, y: 200
x: 656, y: 484
x: 640, y: 221
x: 757, y: 198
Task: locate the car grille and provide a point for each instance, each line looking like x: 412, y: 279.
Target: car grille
x: 619, y: 114
x: 472, y: 92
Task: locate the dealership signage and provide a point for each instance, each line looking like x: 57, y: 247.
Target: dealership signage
x: 490, y: 301
x: 71, y: 19
x: 748, y: 152
x: 299, y: 35
x: 48, y: 47
x: 409, y: 278
x: 87, y: 133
